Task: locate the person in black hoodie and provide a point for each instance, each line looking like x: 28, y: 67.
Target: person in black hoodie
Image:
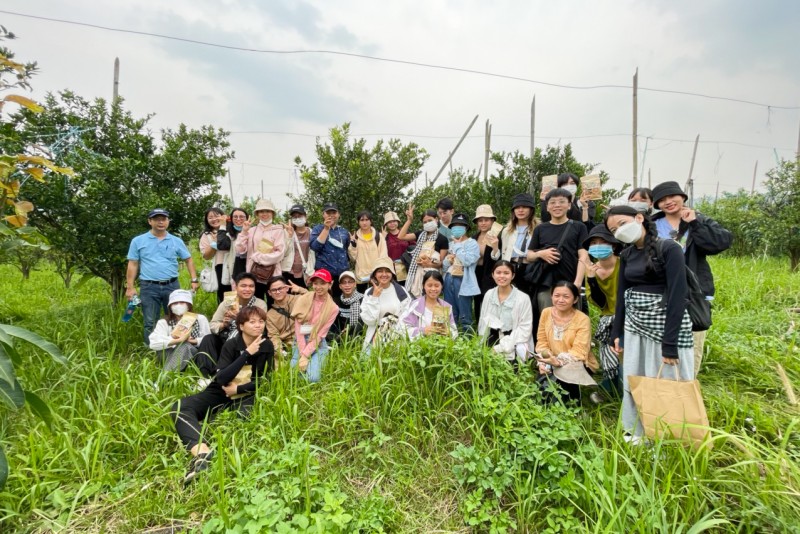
x: 244, y: 360
x: 698, y: 235
x: 650, y: 333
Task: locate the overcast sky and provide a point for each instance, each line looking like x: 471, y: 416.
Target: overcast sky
x: 737, y: 49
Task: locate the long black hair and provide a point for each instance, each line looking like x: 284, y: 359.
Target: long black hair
x: 207, y: 227
x: 650, y: 233
x: 233, y: 232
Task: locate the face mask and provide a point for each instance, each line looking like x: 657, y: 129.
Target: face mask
x: 600, y: 251
x: 430, y: 226
x: 299, y: 221
x: 572, y: 188
x: 179, y: 309
x: 237, y: 228
x: 643, y: 207
x: 265, y: 223
x: 629, y: 232
x: 458, y: 231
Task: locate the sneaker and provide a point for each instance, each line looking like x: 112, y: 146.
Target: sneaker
x: 633, y: 440
x: 200, y: 463
x: 597, y: 398
x: 203, y: 383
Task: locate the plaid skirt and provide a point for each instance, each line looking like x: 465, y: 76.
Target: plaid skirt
x: 608, y: 359
x: 645, y: 316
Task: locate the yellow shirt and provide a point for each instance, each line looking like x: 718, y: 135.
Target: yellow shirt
x: 575, y: 340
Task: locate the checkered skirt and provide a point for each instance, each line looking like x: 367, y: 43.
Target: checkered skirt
x: 645, y: 316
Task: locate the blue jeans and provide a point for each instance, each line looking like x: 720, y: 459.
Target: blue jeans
x: 315, y: 363
x: 462, y: 306
x: 155, y: 298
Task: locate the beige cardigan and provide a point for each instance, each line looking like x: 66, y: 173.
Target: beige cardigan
x: 365, y: 253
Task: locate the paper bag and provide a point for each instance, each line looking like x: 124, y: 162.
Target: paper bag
x: 232, y: 300
x: 265, y: 246
x: 441, y: 319
x: 549, y: 183
x: 592, y: 189
x: 184, y: 326
x: 671, y: 408
x: 244, y: 376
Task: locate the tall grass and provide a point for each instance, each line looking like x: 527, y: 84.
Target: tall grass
x: 433, y: 436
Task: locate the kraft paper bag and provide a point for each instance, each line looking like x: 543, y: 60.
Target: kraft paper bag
x: 671, y: 408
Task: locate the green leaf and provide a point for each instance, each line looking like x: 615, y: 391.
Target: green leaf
x: 40, y: 408
x: 37, y: 340
x: 10, y: 352
x: 3, y: 468
x: 6, y: 367
x: 5, y: 338
x: 11, y: 394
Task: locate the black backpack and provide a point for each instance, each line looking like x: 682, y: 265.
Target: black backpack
x: 698, y: 307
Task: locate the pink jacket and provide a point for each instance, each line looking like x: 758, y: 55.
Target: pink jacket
x: 248, y: 243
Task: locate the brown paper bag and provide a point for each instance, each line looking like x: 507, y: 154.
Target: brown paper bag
x: 441, y: 320
x: 244, y: 376
x: 185, y: 325
x: 671, y: 408
x: 549, y: 183
x: 265, y: 246
x: 592, y: 188
x: 232, y: 300
x: 426, y: 250
x: 401, y: 271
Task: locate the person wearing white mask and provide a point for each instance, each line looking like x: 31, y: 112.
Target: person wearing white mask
x: 264, y: 245
x: 299, y: 231
x: 651, y: 323
x: 429, y: 252
x: 580, y: 210
x: 641, y: 199
x: 176, y: 346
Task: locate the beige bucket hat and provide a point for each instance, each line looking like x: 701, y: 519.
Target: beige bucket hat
x: 574, y: 373
x: 264, y: 204
x: 484, y: 210
x: 390, y: 216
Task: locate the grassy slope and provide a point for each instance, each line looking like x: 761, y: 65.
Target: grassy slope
x: 420, y: 438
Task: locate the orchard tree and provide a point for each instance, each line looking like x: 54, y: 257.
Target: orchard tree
x: 359, y: 177
x: 123, y: 172
x: 781, y: 211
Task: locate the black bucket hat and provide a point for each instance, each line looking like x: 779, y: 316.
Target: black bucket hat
x: 667, y: 189
x: 460, y: 219
x: 523, y: 199
x: 602, y: 232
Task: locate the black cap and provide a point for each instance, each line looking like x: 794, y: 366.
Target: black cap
x: 667, y: 189
x: 460, y: 219
x: 330, y: 206
x: 158, y: 211
x: 445, y: 204
x: 297, y: 208
x: 602, y: 232
x: 523, y: 199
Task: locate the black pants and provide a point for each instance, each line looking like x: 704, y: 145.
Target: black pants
x: 208, y: 354
x: 221, y: 289
x: 296, y: 280
x: 190, y: 412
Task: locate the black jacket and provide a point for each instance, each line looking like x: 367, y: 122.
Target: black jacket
x: 706, y: 238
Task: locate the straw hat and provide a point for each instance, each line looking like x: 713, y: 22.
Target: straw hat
x: 390, y: 216
x: 574, y: 373
x: 264, y: 205
x: 484, y: 210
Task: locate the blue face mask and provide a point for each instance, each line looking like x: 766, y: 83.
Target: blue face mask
x: 237, y: 228
x: 600, y: 251
x: 458, y: 231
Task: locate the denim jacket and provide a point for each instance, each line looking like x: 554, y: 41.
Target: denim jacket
x: 329, y: 256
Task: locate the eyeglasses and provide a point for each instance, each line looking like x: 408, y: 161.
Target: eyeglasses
x: 239, y: 217
x: 557, y: 202
x: 278, y: 289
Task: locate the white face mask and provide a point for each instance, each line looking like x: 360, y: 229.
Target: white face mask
x: 265, y: 223
x: 643, y: 207
x: 179, y: 309
x: 299, y: 221
x: 430, y: 226
x: 572, y: 188
x: 629, y: 232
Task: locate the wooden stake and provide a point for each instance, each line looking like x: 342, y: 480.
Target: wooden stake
x: 262, y: 188
x: 716, y: 195
x: 649, y: 181
x: 635, y: 128
x: 116, y: 79
x: 454, y: 150
x: 753, y: 187
x: 797, y: 154
x: 488, y: 142
x: 230, y: 183
x: 689, y: 189
x: 533, y: 130
x: 787, y: 386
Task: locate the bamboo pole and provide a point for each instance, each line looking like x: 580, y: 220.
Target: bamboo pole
x: 230, y: 183
x: 116, y: 80
x: 753, y: 187
x: 689, y: 189
x: 487, y: 143
x: 533, y: 131
x: 471, y: 124
x: 635, y: 128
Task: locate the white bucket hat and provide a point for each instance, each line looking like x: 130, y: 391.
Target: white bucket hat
x: 180, y: 295
x: 264, y: 204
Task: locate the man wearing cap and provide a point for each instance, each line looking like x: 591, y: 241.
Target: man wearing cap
x: 329, y: 241
x: 700, y: 236
x: 445, y: 210
x: 154, y: 257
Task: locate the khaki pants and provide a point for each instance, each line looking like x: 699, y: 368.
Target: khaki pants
x: 699, y: 345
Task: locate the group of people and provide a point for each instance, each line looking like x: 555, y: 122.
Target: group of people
x: 287, y: 292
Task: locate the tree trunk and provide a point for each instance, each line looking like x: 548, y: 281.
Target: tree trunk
x: 117, y: 281
x: 26, y: 271
x: 794, y: 259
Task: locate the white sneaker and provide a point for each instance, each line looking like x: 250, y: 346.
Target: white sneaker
x: 633, y: 440
x: 203, y: 383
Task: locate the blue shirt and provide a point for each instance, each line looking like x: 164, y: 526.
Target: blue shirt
x: 158, y: 258
x: 445, y: 231
x: 666, y: 231
x: 331, y: 255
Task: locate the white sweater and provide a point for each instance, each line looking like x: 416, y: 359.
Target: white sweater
x: 161, y: 334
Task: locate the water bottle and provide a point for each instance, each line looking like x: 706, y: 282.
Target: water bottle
x: 132, y: 303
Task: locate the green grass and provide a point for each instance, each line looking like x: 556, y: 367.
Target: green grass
x: 430, y: 437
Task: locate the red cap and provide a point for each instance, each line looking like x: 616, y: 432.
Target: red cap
x: 323, y: 275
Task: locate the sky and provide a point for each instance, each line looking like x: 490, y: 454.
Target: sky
x: 277, y: 105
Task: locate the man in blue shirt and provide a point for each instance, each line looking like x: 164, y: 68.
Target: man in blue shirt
x: 154, y: 257
x: 329, y: 242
